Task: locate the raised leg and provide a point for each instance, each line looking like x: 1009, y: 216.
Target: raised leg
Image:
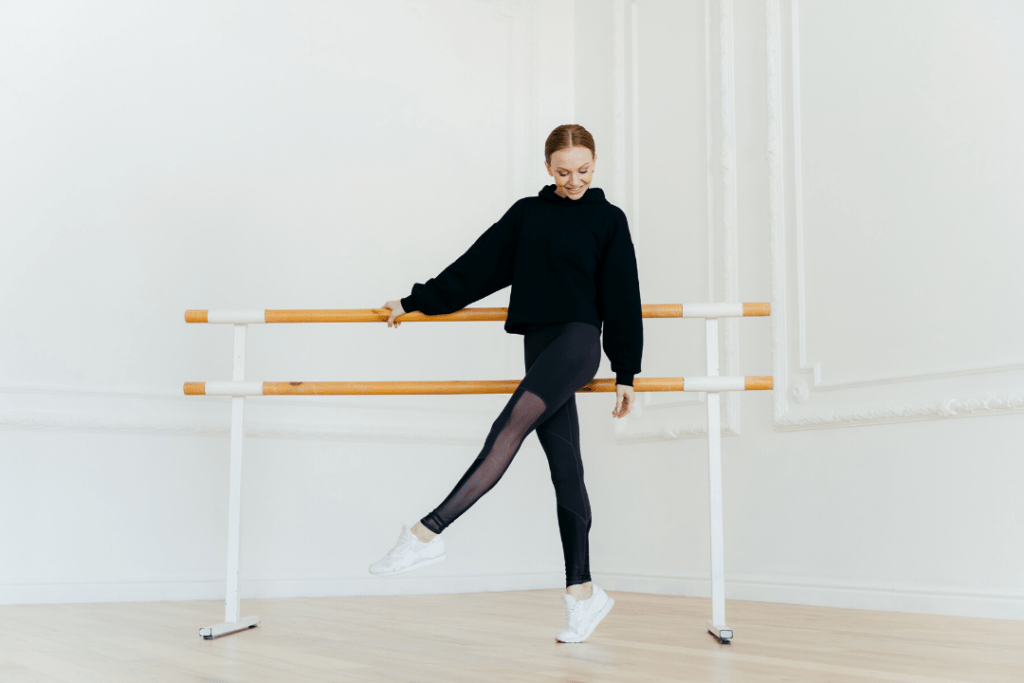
x: 512, y: 425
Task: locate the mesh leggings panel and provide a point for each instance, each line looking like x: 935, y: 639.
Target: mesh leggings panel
x: 502, y: 444
x: 560, y: 359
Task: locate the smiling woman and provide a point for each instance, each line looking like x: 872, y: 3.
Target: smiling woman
x: 568, y: 256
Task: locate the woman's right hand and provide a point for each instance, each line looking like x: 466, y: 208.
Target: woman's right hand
x: 396, y: 310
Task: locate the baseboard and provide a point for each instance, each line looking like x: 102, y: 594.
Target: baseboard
x: 32, y: 594
x: 1005, y: 603
x: 956, y: 601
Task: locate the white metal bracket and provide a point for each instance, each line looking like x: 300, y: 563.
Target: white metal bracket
x: 232, y: 622
x: 716, y: 625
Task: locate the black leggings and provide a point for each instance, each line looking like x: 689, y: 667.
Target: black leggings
x: 560, y: 358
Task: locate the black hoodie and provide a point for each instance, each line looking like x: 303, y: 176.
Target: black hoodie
x: 566, y: 259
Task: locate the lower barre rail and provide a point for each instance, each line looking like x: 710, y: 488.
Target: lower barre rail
x: 501, y: 386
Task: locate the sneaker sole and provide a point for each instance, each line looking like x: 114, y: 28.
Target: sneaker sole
x: 418, y: 565
x: 597, y: 620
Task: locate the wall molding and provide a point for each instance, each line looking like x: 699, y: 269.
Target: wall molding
x: 807, y: 380
x: 142, y: 591
x: 634, y: 97
x: 355, y: 420
x: 899, y: 378
x: 722, y: 225
x: 814, y: 367
x: 618, y: 193
x: 730, y: 222
x: 815, y: 591
x: 938, y: 409
x: 776, y: 204
x: 378, y: 432
x: 665, y: 432
x: 176, y: 396
x: 116, y: 424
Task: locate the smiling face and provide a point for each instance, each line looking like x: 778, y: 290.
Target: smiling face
x: 573, y: 169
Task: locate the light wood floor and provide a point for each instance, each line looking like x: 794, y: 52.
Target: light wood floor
x: 498, y: 637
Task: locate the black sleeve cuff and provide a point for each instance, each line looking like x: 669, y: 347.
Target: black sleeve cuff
x: 624, y: 378
x: 410, y: 303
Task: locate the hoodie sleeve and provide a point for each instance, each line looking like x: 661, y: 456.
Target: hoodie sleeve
x: 485, y: 268
x: 619, y: 304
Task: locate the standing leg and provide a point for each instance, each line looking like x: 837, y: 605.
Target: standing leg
x: 586, y: 603
x: 560, y: 437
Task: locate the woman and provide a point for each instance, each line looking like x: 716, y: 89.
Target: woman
x: 568, y: 255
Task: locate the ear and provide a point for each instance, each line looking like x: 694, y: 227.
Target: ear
x: 548, y: 167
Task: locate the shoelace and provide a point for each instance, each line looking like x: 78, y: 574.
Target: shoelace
x: 400, y: 547
x: 572, y: 614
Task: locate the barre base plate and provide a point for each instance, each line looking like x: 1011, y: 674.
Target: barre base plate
x: 722, y: 632
x: 211, y: 632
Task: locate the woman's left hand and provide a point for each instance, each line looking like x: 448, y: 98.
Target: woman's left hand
x: 623, y: 400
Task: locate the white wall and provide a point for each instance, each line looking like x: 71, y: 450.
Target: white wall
x: 240, y: 155
x: 873, y: 200
x: 221, y: 155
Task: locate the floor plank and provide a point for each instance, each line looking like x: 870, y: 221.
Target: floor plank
x: 499, y: 637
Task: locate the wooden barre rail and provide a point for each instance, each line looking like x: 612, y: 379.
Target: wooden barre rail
x: 503, y: 386
x: 377, y: 315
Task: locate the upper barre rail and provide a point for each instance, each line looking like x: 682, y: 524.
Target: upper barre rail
x: 493, y: 386
x: 379, y: 315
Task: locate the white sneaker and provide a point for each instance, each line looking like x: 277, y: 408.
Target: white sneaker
x: 410, y: 553
x: 583, y: 616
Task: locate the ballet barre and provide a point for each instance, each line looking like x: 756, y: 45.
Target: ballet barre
x: 238, y: 388
x: 378, y: 315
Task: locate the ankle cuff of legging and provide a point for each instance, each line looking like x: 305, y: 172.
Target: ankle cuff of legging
x: 429, y: 522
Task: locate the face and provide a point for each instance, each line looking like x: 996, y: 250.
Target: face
x: 573, y: 169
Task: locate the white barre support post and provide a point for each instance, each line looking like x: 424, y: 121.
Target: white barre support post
x: 716, y: 624
x: 232, y: 622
